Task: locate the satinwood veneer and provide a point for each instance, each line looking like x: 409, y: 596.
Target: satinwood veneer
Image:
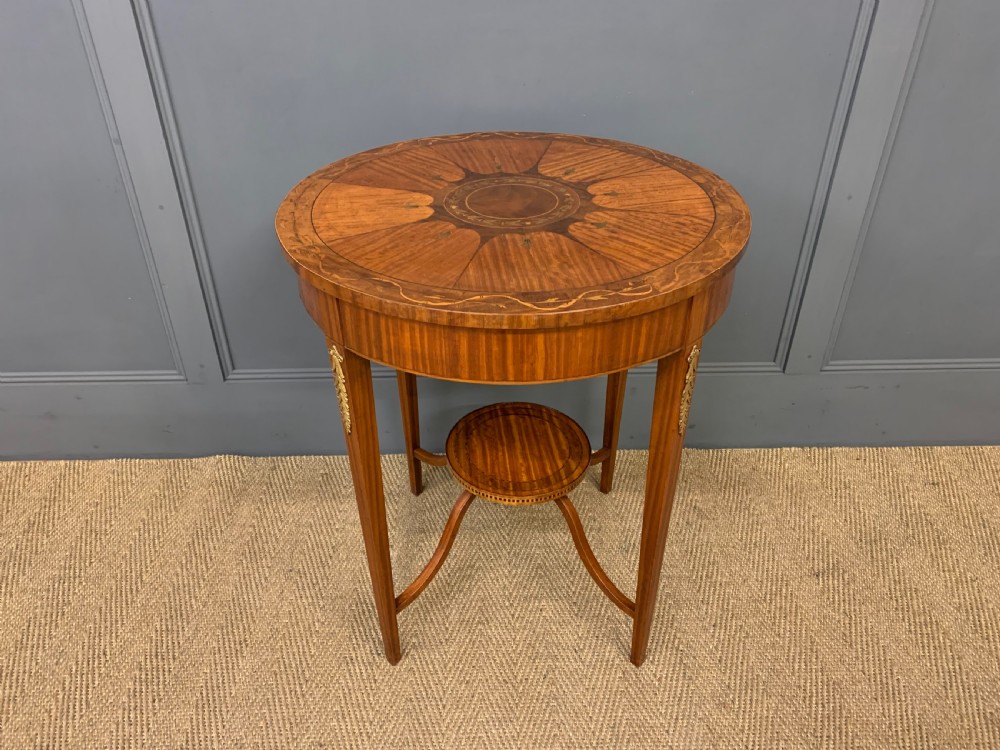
x: 514, y: 258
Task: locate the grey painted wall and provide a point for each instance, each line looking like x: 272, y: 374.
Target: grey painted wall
x: 145, y: 308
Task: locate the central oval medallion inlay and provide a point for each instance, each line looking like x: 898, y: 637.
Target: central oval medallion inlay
x: 511, y: 201
x: 520, y: 201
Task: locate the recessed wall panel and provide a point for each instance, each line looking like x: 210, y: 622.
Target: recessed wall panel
x: 927, y: 285
x: 75, y: 292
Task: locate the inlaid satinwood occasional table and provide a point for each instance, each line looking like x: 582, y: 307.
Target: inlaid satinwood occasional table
x: 514, y: 258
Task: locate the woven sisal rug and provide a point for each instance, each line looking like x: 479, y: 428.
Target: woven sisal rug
x: 810, y: 598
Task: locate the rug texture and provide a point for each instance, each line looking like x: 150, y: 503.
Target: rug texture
x: 809, y: 598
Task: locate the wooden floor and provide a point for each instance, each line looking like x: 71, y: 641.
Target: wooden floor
x: 811, y: 598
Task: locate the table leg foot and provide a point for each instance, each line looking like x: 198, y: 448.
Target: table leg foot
x: 673, y: 374
x: 357, y: 403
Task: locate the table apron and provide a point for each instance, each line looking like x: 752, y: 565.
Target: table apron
x: 539, y: 355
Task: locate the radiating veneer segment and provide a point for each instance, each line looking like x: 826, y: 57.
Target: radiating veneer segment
x: 493, y: 155
x: 660, y: 190
x: 578, y: 162
x: 419, y: 168
x: 347, y: 210
x: 536, y: 262
x: 639, y: 239
x: 430, y: 252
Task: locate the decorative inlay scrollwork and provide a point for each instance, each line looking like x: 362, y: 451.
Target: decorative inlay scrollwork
x: 545, y: 305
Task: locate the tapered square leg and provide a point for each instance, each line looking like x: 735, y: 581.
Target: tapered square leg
x: 353, y: 377
x: 411, y: 427
x: 672, y: 393
x: 612, y: 425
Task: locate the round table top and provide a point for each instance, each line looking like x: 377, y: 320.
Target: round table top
x: 512, y: 229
